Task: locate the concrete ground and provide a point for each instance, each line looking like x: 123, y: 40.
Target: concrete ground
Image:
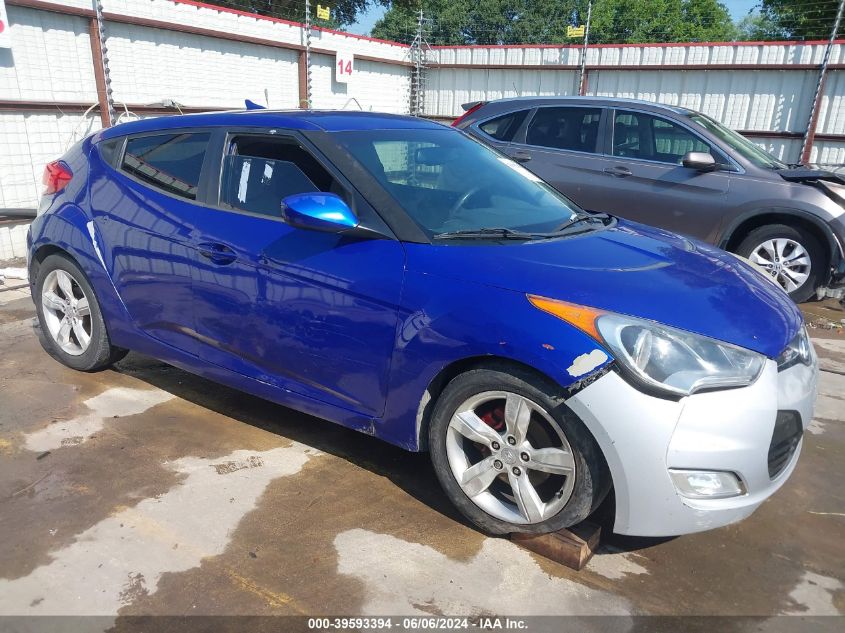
x: 145, y: 490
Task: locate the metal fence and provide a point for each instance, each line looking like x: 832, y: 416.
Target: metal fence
x: 171, y: 56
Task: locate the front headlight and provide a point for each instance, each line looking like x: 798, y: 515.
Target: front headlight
x: 659, y: 357
x: 799, y: 350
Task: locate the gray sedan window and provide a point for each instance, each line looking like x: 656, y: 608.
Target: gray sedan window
x: 574, y: 129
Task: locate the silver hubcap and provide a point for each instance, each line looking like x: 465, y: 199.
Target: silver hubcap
x: 67, y: 312
x: 785, y: 260
x: 510, y: 458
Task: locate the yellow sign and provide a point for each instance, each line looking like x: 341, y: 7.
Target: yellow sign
x: 575, y: 31
x: 323, y: 12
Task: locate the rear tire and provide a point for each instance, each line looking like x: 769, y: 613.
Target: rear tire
x: 790, y: 255
x: 72, y: 326
x: 548, y: 476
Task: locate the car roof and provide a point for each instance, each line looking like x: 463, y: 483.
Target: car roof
x: 591, y: 100
x: 314, y: 120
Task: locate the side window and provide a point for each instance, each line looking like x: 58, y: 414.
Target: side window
x: 504, y: 127
x: 639, y: 135
x: 565, y: 128
x: 259, y: 172
x: 170, y: 162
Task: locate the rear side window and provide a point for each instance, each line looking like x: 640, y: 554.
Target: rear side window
x: 260, y: 172
x: 574, y: 129
x: 169, y: 162
x: 503, y: 128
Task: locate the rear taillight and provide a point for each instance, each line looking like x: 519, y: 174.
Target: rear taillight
x: 56, y: 177
x: 471, y: 107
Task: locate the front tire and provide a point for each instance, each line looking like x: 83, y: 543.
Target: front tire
x: 511, y: 456
x: 72, y: 326
x: 792, y: 256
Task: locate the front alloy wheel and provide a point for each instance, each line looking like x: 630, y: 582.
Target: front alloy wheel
x: 511, y: 456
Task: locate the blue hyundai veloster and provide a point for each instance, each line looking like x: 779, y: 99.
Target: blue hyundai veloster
x: 397, y: 277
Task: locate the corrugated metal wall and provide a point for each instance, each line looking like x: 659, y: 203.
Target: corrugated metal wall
x: 51, y: 62
x: 758, y: 88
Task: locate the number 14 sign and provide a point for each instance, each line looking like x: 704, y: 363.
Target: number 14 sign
x: 344, y: 64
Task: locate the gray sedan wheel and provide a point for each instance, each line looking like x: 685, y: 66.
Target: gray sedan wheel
x: 790, y: 255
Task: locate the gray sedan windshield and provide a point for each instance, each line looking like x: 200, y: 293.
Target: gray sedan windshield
x: 737, y: 142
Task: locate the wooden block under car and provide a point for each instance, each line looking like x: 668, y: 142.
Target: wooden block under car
x: 572, y: 547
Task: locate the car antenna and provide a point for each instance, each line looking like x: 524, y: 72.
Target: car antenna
x: 251, y: 105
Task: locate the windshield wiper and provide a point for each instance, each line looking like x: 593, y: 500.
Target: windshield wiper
x: 583, y: 216
x: 486, y: 234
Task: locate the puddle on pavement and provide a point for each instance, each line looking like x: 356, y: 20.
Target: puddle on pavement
x: 121, y: 558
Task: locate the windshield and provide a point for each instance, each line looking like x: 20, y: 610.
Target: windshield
x: 736, y: 141
x: 448, y: 182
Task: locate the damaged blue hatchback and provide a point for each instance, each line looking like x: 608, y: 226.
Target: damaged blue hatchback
x: 399, y: 278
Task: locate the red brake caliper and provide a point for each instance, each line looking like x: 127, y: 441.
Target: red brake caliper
x: 495, y: 418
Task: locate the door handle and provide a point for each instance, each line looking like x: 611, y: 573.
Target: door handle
x: 217, y: 253
x: 521, y: 157
x: 618, y: 171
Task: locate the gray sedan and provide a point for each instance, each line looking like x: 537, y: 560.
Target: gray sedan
x: 681, y: 170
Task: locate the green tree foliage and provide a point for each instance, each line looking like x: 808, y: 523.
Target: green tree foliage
x: 639, y: 21
x: 545, y: 21
x: 795, y: 19
x: 757, y: 26
x: 343, y: 12
x: 483, y: 21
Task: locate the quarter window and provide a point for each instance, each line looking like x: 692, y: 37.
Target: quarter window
x: 169, y: 162
x: 258, y: 173
x: 574, y: 129
x: 503, y: 128
x: 639, y: 135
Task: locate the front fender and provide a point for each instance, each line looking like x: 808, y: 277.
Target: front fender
x: 445, y: 321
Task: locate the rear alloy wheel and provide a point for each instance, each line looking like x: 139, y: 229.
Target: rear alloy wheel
x: 67, y: 312
x: 792, y: 257
x: 514, y: 458
x: 70, y: 318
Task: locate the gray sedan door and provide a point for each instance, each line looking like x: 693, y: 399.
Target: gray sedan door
x: 643, y: 178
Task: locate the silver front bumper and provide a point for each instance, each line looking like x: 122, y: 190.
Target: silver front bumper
x: 642, y: 437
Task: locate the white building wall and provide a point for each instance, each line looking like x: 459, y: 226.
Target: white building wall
x: 150, y: 65
x: 50, y: 58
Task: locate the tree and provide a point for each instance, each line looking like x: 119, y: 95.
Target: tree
x: 545, y: 21
x: 482, y: 21
x: 800, y: 19
x: 343, y: 12
x: 640, y: 21
x: 757, y: 26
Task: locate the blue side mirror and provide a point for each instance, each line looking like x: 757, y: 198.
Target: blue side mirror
x: 318, y: 212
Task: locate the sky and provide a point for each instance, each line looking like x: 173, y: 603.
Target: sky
x: 367, y: 20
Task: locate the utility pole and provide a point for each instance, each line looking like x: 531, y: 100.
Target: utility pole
x: 810, y: 134
x: 308, y: 54
x: 582, y: 75
x: 108, y: 118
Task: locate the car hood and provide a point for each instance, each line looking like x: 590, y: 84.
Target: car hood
x: 635, y: 270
